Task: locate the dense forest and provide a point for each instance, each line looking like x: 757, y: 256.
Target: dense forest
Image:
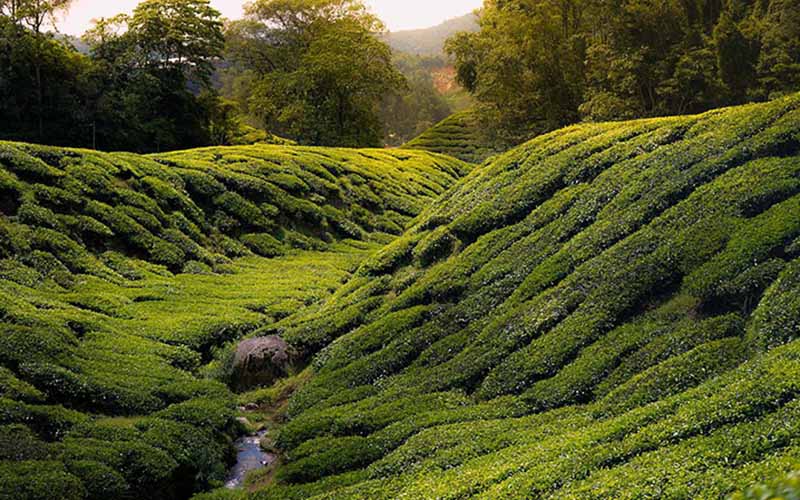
x: 533, y: 66
x: 547, y: 250
x: 173, y: 75
x: 131, y: 93
x: 536, y: 65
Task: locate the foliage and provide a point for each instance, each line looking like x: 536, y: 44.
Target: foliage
x: 607, y: 311
x: 134, y: 90
x: 537, y: 65
x: 417, y: 107
x: 787, y: 488
x: 460, y: 136
x: 312, y: 71
x: 124, y: 286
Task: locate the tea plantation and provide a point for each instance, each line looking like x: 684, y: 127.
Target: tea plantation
x: 459, y: 136
x: 608, y: 311
x: 125, y: 279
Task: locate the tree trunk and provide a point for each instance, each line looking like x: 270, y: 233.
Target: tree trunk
x: 39, y: 99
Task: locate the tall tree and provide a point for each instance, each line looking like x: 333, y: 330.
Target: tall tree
x: 316, y: 71
x: 416, y: 107
x: 538, y: 64
x: 36, y: 73
x: 525, y: 66
x: 34, y: 14
x: 185, y: 35
x: 146, y: 64
x: 779, y: 58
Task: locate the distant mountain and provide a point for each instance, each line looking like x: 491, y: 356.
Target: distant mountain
x: 73, y: 41
x: 430, y: 41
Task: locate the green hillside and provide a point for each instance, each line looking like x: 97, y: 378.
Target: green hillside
x: 124, y: 278
x: 458, y: 136
x: 608, y: 311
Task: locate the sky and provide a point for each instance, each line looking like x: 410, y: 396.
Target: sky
x: 396, y: 14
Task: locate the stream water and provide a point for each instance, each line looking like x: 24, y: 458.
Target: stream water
x: 249, y: 457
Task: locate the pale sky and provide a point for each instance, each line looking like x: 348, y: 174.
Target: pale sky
x: 397, y: 14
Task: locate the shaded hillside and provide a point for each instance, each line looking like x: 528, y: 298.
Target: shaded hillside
x: 458, y: 136
x: 608, y: 311
x: 430, y: 41
x: 122, y: 276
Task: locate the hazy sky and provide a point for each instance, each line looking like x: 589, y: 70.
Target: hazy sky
x: 397, y: 14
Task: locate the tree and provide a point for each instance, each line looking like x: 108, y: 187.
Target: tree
x: 34, y: 14
x: 316, y: 71
x: 139, y: 90
x: 417, y: 106
x: 146, y: 64
x: 39, y: 77
x: 184, y: 35
x: 779, y: 58
x: 525, y: 66
x: 539, y: 64
x: 736, y: 57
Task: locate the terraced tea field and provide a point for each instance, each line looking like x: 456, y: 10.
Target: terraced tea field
x: 126, y: 280
x: 608, y: 311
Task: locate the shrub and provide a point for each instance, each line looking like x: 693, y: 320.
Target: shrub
x: 49, y: 422
x: 263, y: 244
x: 18, y: 443
x: 92, y: 316
x: 246, y: 212
x: 787, y: 489
x: 438, y: 244
x: 20, y: 344
x: 15, y: 389
x: 100, y: 481
x: 48, y: 266
x: 34, y: 480
x: 163, y: 252
x: 204, y: 413
x: 195, y: 267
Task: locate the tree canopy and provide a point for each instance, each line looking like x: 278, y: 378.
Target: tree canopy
x: 141, y: 88
x: 146, y: 64
x: 312, y: 70
x: 539, y: 64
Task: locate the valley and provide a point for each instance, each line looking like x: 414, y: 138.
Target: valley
x: 549, y: 249
x: 616, y: 313
x: 123, y: 289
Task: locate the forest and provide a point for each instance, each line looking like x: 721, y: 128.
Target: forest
x: 548, y: 249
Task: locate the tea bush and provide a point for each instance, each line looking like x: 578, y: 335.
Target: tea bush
x: 119, y: 296
x: 458, y: 136
x: 608, y: 311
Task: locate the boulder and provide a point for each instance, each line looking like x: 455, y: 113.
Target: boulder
x: 261, y: 361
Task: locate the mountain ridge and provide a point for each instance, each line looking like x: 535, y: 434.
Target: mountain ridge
x: 430, y: 41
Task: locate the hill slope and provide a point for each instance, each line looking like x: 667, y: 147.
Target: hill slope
x: 609, y: 311
x: 430, y: 41
x: 459, y: 136
x: 123, y: 277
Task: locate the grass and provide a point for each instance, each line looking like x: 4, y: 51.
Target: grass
x: 608, y: 311
x: 126, y: 281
